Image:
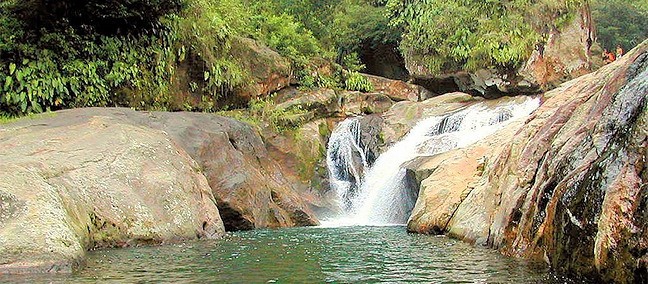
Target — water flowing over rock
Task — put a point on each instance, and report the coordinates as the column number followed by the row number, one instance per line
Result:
column 386, row 194
column 352, row 149
column 567, row 187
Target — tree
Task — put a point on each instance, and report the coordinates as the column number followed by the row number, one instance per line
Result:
column 620, row 22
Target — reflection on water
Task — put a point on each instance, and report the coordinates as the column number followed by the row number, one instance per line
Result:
column 311, row 255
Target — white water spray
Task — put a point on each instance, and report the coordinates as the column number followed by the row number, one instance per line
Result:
column 383, row 195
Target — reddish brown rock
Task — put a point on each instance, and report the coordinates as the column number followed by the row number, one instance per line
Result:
column 569, row 187
column 270, row 71
column 398, row 90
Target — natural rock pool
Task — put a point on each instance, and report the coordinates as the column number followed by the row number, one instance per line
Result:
column 306, row 255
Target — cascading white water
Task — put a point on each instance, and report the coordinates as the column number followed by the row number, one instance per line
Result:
column 383, row 196
column 347, row 160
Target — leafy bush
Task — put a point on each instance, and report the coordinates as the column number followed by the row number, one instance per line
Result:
column 288, row 37
column 472, row 34
column 86, row 73
column 356, row 23
column 206, row 30
column 68, row 66
column 354, row 81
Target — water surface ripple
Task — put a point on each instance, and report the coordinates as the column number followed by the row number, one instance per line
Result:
column 306, row 255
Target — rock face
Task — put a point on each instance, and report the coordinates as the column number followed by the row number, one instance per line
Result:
column 248, row 185
column 97, row 182
column 398, row 90
column 269, row 70
column 327, row 103
column 565, row 55
column 568, row 187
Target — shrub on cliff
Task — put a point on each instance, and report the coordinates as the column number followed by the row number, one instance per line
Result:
column 472, row 34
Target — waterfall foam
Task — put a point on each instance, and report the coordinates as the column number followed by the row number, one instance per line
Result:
column 384, row 195
column 347, row 160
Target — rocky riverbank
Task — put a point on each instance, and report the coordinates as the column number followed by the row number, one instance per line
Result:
column 567, row 186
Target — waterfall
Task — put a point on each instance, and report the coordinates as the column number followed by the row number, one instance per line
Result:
column 383, row 195
column 347, row 160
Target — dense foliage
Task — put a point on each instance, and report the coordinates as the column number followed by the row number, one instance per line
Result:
column 181, row 54
column 620, row 22
column 143, row 53
column 49, row 60
column 472, row 34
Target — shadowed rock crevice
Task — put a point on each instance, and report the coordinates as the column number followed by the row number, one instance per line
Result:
column 233, row 220
column 385, row 60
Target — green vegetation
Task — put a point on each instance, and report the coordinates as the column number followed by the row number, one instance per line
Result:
column 265, row 113
column 473, row 34
column 620, row 22
column 167, row 54
column 183, row 54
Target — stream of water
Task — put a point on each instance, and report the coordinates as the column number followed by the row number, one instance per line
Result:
column 380, row 194
column 305, row 255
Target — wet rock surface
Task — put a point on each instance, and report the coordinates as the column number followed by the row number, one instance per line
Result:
column 568, row 187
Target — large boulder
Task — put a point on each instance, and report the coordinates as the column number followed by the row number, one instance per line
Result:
column 565, row 55
column 568, row 187
column 269, row 71
column 95, row 182
column 249, row 187
column 398, row 90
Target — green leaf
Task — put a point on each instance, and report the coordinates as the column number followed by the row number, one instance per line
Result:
column 36, row 107
column 8, row 82
column 12, row 68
